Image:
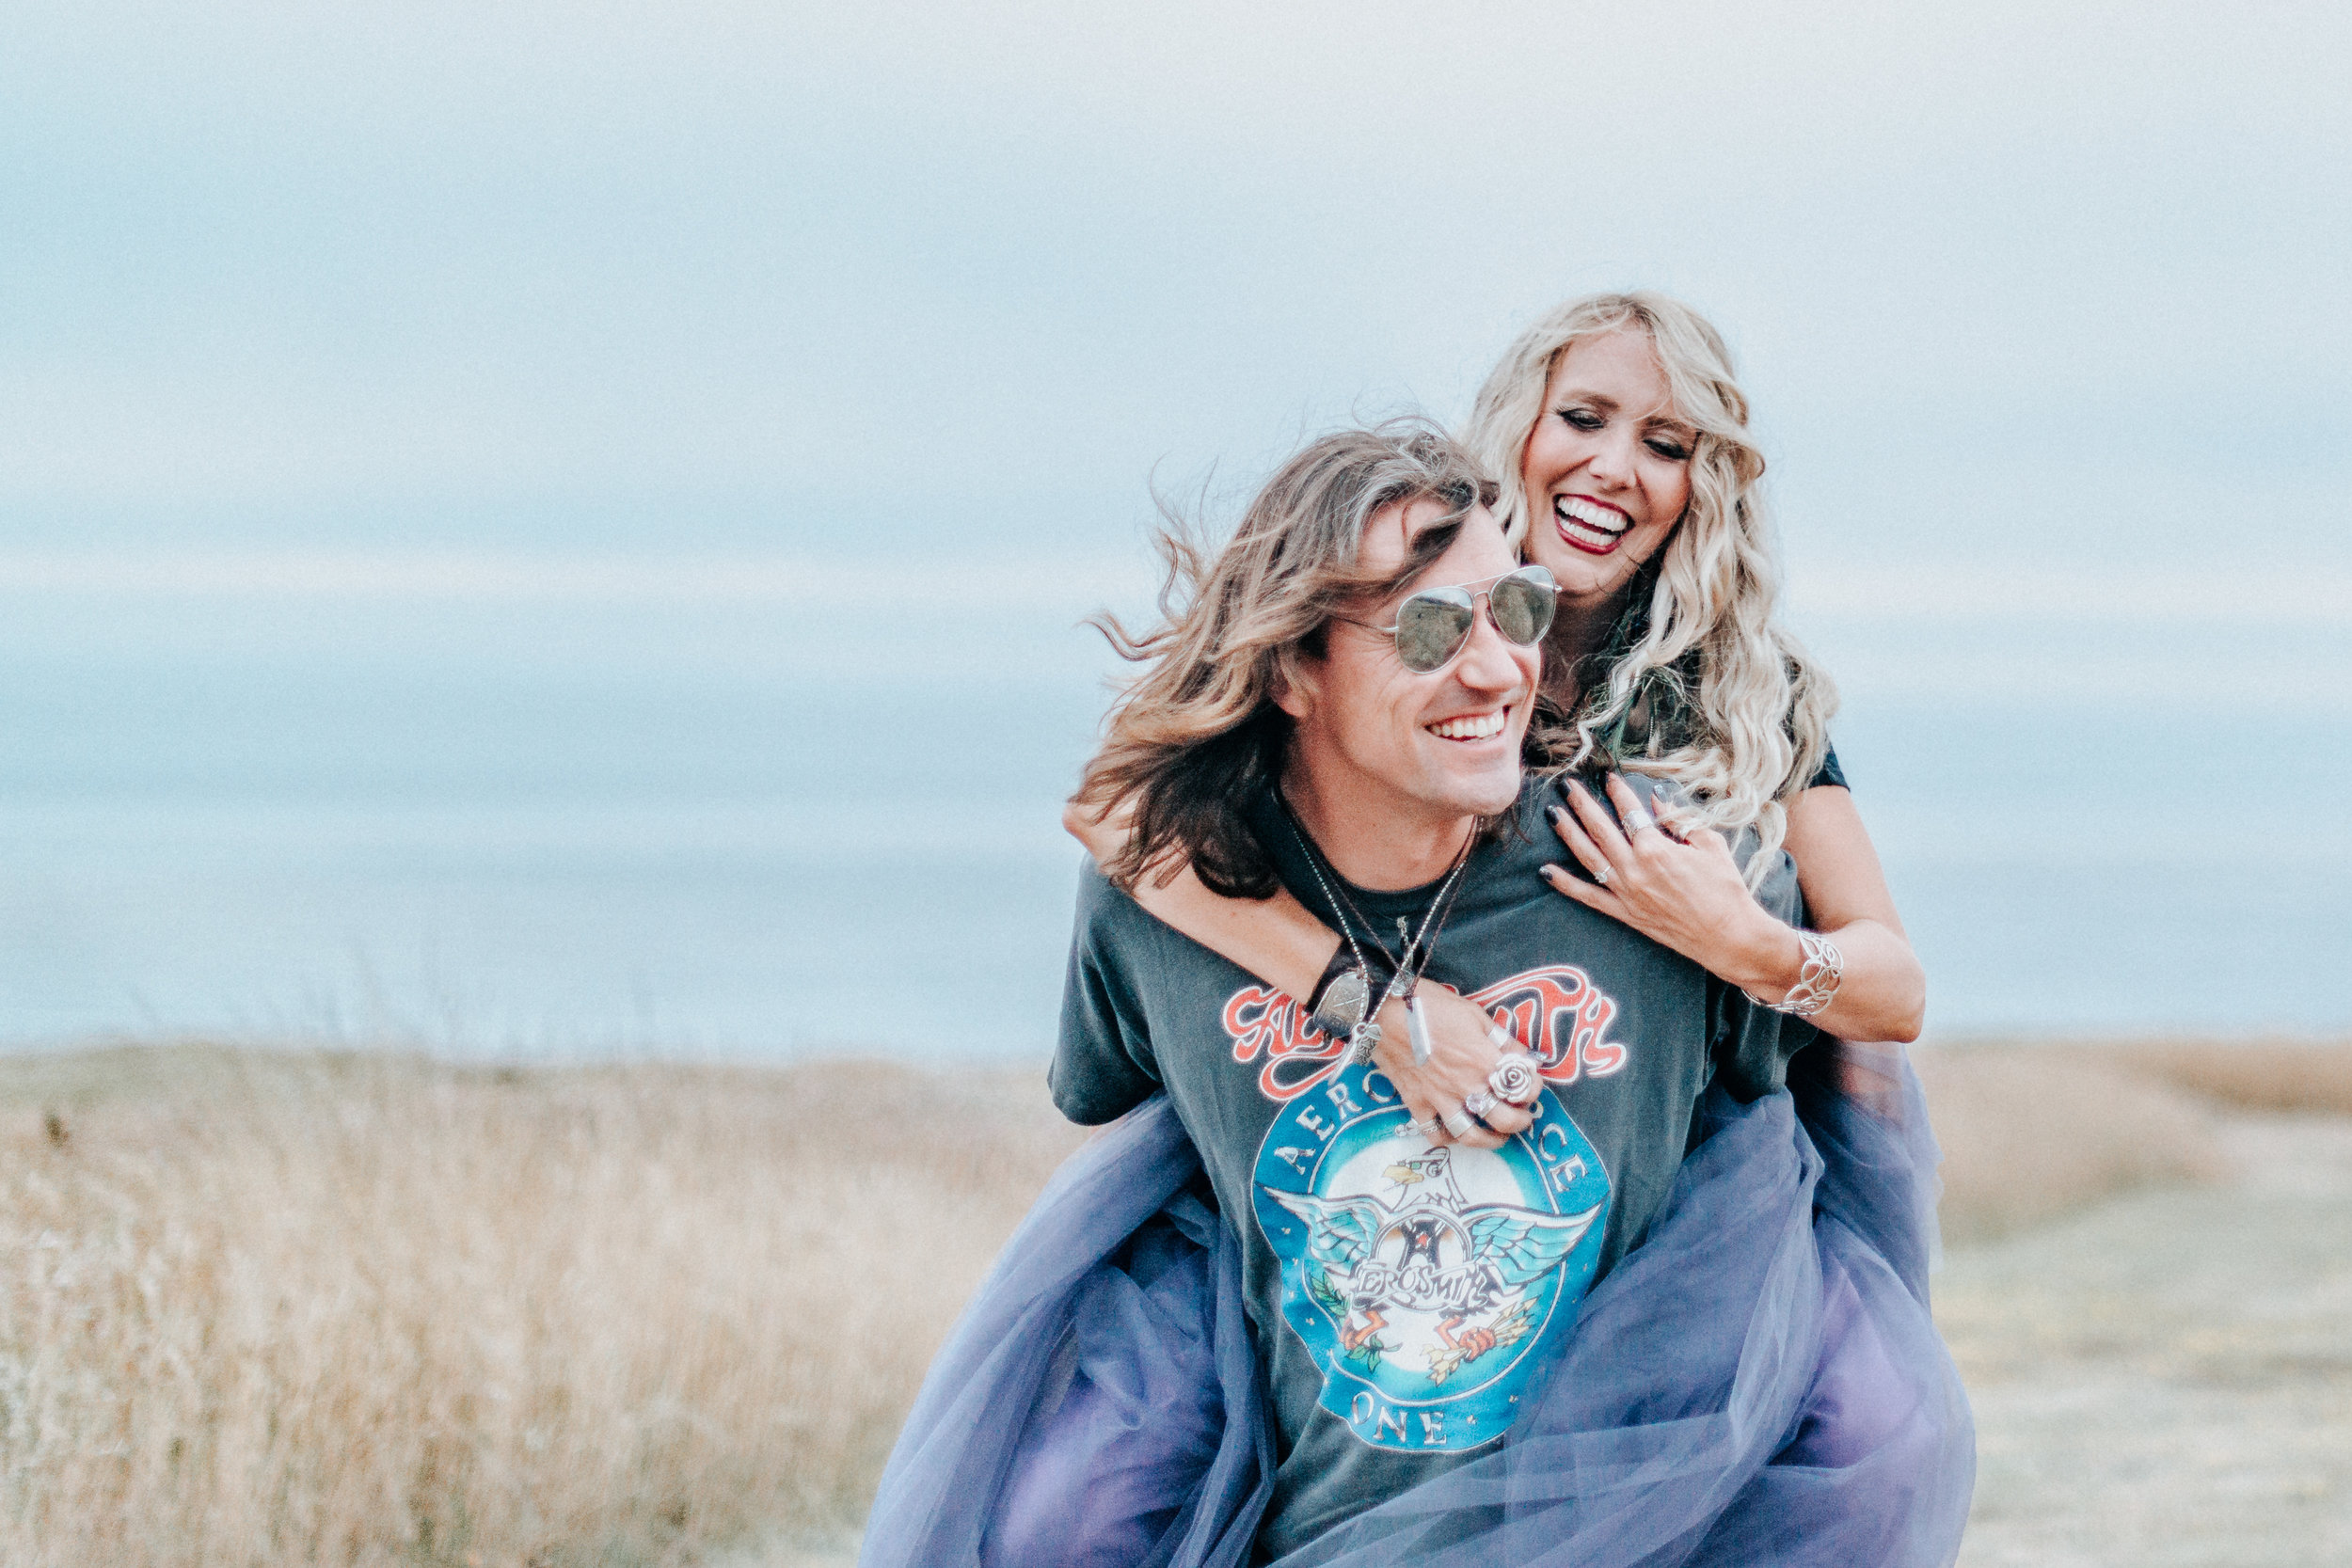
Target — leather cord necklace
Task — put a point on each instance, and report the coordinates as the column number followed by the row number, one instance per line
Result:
column 1341, row 999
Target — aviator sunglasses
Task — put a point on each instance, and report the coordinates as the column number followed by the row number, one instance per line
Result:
column 1431, row 626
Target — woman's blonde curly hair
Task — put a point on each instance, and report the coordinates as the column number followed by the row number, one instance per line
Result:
column 1696, row 684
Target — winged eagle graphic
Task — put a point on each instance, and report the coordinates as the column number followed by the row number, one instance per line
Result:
column 1520, row 1245
column 1377, row 1259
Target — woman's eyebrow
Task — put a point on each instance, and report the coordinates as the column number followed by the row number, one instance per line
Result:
column 1598, row 400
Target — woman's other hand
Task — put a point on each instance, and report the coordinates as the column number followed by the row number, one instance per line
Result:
column 1683, row 892
column 1462, row 1052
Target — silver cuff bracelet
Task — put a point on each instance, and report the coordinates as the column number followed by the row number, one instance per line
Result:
column 1823, row 971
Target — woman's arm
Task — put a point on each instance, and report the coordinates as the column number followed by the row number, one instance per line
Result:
column 1689, row 896
column 1274, row 939
column 1845, row 895
column 1279, row 942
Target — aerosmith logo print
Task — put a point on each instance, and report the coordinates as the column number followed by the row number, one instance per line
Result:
column 1428, row 1281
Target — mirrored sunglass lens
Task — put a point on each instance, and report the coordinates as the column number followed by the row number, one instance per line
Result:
column 1429, row 629
column 1522, row 610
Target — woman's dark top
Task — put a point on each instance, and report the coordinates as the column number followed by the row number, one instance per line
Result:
column 1661, row 712
column 1829, row 772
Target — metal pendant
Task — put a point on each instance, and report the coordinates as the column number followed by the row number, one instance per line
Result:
column 1417, row 1026
column 1362, row 1043
column 1343, row 1001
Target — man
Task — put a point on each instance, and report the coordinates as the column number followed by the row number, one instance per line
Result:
column 1406, row 1294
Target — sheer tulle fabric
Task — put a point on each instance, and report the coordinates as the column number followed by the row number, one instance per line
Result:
column 1079, row 1411
column 1758, row 1383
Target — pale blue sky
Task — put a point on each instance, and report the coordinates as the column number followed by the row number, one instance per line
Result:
column 2013, row 283
column 487, row 492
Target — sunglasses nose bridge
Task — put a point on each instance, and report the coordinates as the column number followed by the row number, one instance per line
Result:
column 1488, row 659
column 1436, row 624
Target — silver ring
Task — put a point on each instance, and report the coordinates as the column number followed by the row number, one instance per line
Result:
column 1426, row 1128
column 1478, row 1102
column 1460, row 1125
column 1503, row 1039
column 1638, row 819
column 1515, row 1079
column 1600, row 876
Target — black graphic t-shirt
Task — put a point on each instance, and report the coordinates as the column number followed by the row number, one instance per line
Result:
column 1406, row 1298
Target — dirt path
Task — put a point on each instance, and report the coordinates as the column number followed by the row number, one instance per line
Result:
column 2167, row 1379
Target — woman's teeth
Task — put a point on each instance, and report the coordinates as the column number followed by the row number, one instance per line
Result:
column 1476, row 726
column 1589, row 527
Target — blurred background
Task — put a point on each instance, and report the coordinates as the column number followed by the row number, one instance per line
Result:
column 557, row 529
column 545, row 542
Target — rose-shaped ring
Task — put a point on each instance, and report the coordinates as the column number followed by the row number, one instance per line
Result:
column 1514, row 1079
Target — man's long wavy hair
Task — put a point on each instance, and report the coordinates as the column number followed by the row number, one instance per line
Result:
column 1697, row 683
column 1199, row 732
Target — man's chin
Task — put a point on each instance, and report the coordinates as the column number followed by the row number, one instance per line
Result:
column 1498, row 802
column 1488, row 794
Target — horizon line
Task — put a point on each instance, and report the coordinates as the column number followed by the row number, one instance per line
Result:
column 1938, row 590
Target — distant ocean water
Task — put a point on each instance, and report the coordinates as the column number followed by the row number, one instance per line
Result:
column 494, row 807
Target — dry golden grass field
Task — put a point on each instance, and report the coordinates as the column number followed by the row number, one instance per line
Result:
column 264, row 1308
column 352, row 1310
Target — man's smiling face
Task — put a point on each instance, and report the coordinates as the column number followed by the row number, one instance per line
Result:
column 1438, row 747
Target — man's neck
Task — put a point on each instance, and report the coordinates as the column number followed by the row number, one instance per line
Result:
column 1382, row 844
column 1578, row 628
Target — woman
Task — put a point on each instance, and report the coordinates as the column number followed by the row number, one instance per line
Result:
column 1619, row 434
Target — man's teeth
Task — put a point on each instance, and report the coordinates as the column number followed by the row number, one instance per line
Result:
column 1589, row 519
column 1476, row 726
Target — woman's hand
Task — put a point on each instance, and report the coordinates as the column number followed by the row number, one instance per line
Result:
column 1462, row 1049
column 1681, row 891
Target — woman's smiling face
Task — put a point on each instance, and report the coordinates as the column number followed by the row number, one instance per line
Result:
column 1607, row 468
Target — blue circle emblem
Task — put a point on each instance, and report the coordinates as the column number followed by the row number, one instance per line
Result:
column 1426, row 1280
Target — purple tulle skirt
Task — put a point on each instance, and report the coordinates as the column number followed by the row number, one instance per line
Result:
column 1758, row 1383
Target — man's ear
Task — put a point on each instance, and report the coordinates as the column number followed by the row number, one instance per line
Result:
column 1295, row 685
